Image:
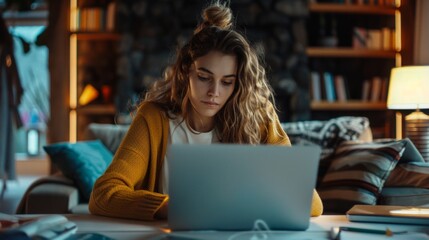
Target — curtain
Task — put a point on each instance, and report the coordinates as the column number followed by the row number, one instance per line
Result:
column 7, row 153
column 10, row 95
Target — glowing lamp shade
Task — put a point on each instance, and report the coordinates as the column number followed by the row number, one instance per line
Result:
column 409, row 88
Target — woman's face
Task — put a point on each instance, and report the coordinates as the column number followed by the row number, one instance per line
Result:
column 211, row 80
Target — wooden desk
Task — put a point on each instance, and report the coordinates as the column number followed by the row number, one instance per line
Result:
column 132, row 230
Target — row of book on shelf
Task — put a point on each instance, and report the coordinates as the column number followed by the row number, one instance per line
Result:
column 381, row 39
column 326, row 86
column 360, row 2
column 96, row 18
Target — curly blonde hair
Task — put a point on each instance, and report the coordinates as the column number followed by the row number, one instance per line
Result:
column 247, row 113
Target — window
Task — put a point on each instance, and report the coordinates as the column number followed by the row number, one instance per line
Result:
column 32, row 64
column 34, row 75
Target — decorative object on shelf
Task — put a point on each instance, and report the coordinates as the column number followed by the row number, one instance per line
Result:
column 328, row 31
column 89, row 94
column 409, row 88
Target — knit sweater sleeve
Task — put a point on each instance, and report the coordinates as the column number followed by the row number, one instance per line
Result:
column 127, row 188
column 276, row 135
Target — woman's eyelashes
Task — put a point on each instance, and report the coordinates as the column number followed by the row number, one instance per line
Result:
column 202, row 78
column 224, row 82
column 227, row 83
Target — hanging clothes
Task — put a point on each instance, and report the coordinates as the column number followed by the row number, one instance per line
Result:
column 10, row 97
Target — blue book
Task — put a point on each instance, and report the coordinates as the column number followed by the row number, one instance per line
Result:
column 329, row 86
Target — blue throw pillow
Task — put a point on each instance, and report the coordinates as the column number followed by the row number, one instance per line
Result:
column 83, row 162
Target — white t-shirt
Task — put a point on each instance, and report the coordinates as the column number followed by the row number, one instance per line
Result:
column 181, row 134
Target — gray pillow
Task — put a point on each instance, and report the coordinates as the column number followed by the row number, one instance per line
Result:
column 110, row 135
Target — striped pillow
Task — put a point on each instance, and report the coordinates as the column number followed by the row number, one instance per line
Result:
column 357, row 173
column 413, row 174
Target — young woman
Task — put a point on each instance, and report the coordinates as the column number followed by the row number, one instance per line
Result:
column 216, row 91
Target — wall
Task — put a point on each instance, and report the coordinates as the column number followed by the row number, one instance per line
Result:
column 151, row 30
column 421, row 46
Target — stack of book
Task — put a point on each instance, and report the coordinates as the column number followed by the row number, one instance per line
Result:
column 49, row 227
column 93, row 19
column 379, row 39
column 328, row 87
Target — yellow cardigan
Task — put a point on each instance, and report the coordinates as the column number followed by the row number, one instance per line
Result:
column 128, row 188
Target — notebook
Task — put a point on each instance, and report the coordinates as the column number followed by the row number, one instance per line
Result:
column 241, row 187
column 389, row 214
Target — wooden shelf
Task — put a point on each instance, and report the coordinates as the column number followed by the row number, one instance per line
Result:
column 351, row 8
column 99, row 109
column 352, row 105
column 96, row 36
column 349, row 53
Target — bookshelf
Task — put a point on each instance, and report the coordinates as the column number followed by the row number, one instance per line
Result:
column 349, row 105
column 93, row 43
column 349, row 53
column 351, row 8
column 359, row 42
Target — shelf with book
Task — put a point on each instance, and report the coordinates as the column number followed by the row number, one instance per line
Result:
column 97, row 109
column 93, row 56
column 348, row 52
column 350, row 8
column 352, row 48
column 83, row 35
column 347, row 105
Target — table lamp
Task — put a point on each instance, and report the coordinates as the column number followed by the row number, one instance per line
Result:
column 409, row 89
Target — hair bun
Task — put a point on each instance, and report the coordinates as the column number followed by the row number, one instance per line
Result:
column 217, row 15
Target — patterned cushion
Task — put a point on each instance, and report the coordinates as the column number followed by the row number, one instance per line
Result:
column 327, row 134
column 357, row 173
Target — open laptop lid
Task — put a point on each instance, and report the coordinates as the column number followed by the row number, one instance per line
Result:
column 230, row 187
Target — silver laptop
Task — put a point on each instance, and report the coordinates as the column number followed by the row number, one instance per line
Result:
column 234, row 187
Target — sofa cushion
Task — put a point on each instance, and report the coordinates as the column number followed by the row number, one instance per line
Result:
column 328, row 135
column 411, row 154
column 110, row 135
column 358, row 172
column 404, row 196
column 83, row 162
column 413, row 174
column 51, row 198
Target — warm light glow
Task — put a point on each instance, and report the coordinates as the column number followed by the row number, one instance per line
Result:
column 418, row 212
column 73, row 126
column 73, row 15
column 398, row 41
column 398, row 125
column 409, row 88
column 398, row 59
column 73, row 73
column 398, row 3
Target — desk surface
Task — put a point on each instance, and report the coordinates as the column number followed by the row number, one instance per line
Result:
column 131, row 230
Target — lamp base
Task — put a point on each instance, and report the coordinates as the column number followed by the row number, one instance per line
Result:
column 417, row 129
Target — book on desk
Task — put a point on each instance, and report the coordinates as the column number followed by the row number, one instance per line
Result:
column 36, row 227
column 389, row 214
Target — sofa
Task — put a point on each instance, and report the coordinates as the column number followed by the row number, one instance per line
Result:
column 353, row 169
